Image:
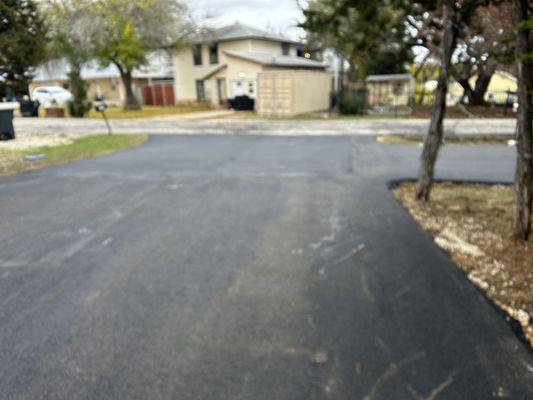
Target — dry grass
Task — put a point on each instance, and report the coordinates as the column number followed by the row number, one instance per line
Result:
column 12, row 158
column 412, row 140
column 149, row 111
column 472, row 222
column 145, row 112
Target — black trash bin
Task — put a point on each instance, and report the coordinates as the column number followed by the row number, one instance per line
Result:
column 29, row 108
column 243, row 103
column 6, row 125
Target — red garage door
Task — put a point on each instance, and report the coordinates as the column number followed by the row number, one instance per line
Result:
column 159, row 94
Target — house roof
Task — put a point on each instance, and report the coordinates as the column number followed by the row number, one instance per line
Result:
column 215, row 71
column 238, row 31
column 159, row 65
column 274, row 60
column 389, row 77
column 505, row 74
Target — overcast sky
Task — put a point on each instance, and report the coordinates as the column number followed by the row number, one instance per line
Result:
column 278, row 15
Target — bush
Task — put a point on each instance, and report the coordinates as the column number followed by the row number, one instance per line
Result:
column 352, row 104
column 79, row 107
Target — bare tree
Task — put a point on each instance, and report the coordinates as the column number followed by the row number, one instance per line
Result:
column 452, row 16
column 434, row 136
column 524, row 162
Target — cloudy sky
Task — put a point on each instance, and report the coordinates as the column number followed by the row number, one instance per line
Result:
column 277, row 15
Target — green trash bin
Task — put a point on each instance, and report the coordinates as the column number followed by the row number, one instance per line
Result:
column 7, row 132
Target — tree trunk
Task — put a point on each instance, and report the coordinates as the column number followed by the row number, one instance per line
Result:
column 131, row 102
column 524, row 146
column 435, row 132
column 477, row 96
column 467, row 89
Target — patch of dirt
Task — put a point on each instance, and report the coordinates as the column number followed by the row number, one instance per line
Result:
column 467, row 140
column 466, row 112
column 473, row 222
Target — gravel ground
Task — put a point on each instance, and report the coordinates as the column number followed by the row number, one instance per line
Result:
column 356, row 126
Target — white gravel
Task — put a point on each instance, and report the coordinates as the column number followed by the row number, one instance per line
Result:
column 356, row 126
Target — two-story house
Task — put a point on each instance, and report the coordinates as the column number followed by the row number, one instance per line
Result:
column 225, row 62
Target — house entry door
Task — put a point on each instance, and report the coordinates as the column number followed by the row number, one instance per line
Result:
column 237, row 88
column 221, row 90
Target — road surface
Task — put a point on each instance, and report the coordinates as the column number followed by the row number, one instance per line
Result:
column 243, row 267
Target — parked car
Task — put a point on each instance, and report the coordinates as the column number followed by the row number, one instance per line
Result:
column 51, row 95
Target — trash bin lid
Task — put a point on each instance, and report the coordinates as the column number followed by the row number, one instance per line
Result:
column 9, row 106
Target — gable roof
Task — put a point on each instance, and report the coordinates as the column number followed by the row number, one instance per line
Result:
column 159, row 65
column 389, row 77
column 238, row 31
column 215, row 71
column 274, row 60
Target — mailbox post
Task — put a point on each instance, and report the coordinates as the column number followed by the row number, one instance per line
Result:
column 101, row 107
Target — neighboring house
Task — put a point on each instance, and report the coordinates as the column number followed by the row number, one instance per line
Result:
column 153, row 84
column 390, row 89
column 228, row 62
column 502, row 88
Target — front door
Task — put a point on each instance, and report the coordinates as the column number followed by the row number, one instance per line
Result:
column 200, row 91
column 237, row 88
column 221, row 91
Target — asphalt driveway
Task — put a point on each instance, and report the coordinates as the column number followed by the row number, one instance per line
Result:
column 243, row 267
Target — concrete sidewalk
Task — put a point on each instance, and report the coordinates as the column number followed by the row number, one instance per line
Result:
column 359, row 126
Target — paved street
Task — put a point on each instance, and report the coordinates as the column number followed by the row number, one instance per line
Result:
column 244, row 267
column 187, row 125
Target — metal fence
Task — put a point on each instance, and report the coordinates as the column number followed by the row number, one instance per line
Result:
column 491, row 98
column 357, row 101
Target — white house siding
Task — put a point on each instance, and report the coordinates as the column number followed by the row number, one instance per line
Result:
column 186, row 73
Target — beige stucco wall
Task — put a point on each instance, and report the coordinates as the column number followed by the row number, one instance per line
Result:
column 293, row 92
column 110, row 88
column 312, row 90
column 263, row 46
column 186, row 73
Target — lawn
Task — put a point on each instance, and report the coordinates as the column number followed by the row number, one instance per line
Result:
column 473, row 222
column 12, row 159
column 145, row 112
column 412, row 140
column 149, row 111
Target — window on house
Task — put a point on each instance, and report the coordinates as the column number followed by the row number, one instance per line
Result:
column 285, row 49
column 251, row 89
column 213, row 53
column 200, row 91
column 197, row 54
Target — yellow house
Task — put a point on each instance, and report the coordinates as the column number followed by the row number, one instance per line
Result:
column 390, row 89
column 500, row 89
column 226, row 62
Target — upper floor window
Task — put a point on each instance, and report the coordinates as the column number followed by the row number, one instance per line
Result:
column 213, row 53
column 197, row 54
column 285, row 49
